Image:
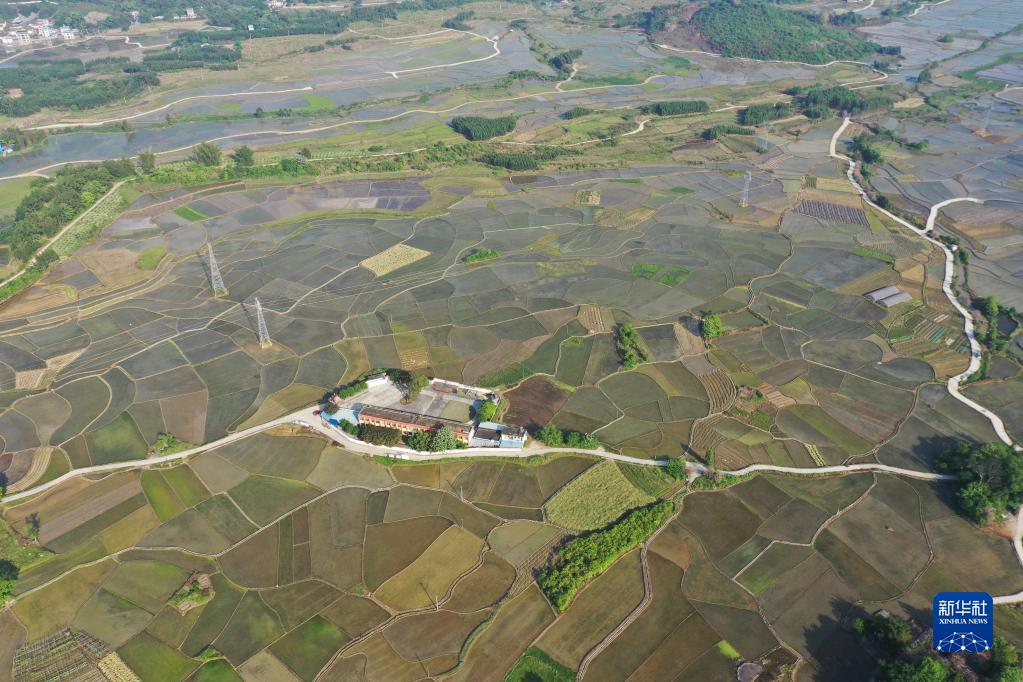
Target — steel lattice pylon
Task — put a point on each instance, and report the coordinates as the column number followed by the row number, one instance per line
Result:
column 264, row 334
column 216, row 281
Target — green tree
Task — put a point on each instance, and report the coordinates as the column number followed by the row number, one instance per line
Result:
column 1005, row 663
column 924, row 670
column 443, row 439
column 206, row 154
column 677, row 468
column 486, row 411
column 990, row 308
column 33, row 525
column 890, row 632
column 990, row 477
column 305, row 153
column 551, row 435
column 379, row 435
column 244, row 156
column 147, row 161
column 410, row 383
column 8, row 578
column 710, row 458
column 712, row 327
column 418, row 440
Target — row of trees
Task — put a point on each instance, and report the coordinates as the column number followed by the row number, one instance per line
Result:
column 482, row 127
column 480, row 255
column 576, row 112
column 439, row 440
column 554, row 437
column 755, row 114
column 676, row 108
column 54, row 202
column 586, row 557
column 818, row 101
column 515, row 161
column 457, row 22
column 433, row 441
column 714, row 132
column 630, row 347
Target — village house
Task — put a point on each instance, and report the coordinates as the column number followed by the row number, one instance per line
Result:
column 407, row 422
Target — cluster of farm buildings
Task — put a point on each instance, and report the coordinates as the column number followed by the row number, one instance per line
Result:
column 482, row 434
column 26, row 31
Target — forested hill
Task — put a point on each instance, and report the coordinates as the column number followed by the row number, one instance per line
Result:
column 758, row 30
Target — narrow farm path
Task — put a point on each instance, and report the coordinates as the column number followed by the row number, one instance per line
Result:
column 53, row 240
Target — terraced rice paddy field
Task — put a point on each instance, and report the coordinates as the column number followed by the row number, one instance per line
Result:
column 321, row 562
column 318, row 563
column 347, row 292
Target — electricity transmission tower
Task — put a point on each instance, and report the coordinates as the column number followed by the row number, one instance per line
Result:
column 264, row 334
column 745, row 190
column 987, row 119
column 216, row 281
column 765, row 142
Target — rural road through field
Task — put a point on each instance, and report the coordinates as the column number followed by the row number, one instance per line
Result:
column 968, row 326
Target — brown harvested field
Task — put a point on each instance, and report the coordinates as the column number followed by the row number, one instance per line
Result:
column 595, row 612
column 298, row 602
column 517, row 540
column 355, row 615
column 484, row 586
column 373, row 659
column 440, row 475
column 513, row 629
column 432, row 634
column 185, row 415
column 390, row 547
column 534, row 402
column 265, row 667
column 397, row 256
column 54, row 503
column 675, row 544
column 405, row 502
column 516, row 486
column 686, row 643
column 899, row 553
column 217, row 473
column 668, row 609
column 797, row 521
column 744, row 629
column 721, row 522
column 560, row 470
column 430, row 576
column 55, row 607
column 591, row 317
column 687, row 333
column 12, row 636
column 254, row 562
column 824, row 603
column 53, row 528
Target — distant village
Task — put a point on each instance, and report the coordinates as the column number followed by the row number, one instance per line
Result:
column 24, row 31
